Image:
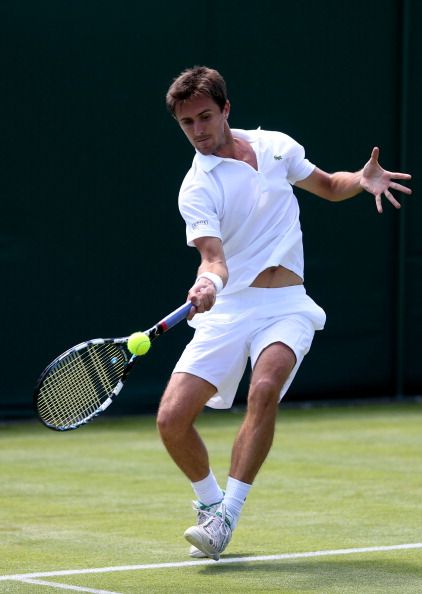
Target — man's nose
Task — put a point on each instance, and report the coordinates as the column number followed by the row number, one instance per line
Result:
column 198, row 128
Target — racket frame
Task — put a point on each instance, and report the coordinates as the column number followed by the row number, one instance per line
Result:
column 153, row 333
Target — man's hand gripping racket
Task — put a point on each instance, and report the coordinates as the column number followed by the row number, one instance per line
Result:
column 82, row 382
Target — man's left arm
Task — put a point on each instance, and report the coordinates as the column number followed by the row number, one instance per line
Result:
column 343, row 184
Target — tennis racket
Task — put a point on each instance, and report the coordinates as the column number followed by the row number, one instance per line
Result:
column 82, row 382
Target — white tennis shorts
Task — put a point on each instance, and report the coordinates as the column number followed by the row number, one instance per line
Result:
column 239, row 327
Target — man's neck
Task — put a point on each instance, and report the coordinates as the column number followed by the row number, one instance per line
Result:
column 227, row 148
column 239, row 149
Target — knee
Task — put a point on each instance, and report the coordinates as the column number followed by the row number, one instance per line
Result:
column 183, row 400
column 173, row 419
column 264, row 395
column 166, row 420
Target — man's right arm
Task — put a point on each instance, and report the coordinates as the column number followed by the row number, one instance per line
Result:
column 204, row 290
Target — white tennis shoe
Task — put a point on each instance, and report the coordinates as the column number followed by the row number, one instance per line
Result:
column 212, row 536
column 203, row 512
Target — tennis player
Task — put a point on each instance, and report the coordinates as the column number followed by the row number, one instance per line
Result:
column 249, row 300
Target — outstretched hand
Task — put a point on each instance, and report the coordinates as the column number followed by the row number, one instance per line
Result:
column 378, row 181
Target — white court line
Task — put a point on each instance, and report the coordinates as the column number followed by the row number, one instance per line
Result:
column 224, row 560
column 66, row 586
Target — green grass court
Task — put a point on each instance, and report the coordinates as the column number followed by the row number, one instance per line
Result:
column 338, row 481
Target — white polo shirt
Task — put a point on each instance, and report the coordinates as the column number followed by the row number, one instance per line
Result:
column 254, row 213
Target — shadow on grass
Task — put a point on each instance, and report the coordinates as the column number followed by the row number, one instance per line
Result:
column 347, row 575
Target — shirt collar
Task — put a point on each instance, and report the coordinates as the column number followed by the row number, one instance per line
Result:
column 209, row 162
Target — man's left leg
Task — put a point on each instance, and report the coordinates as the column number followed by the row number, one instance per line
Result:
column 255, row 437
column 250, row 448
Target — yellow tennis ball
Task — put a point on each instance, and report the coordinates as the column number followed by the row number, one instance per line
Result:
column 138, row 343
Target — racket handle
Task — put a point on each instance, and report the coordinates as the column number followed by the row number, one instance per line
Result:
column 169, row 321
column 176, row 316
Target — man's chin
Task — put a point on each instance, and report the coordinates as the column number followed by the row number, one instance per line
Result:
column 204, row 151
column 204, row 148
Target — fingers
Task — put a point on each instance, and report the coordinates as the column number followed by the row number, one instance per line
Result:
column 379, row 182
column 399, row 187
column 378, row 203
column 202, row 295
column 391, row 199
column 375, row 153
column 398, row 175
column 192, row 312
column 202, row 302
column 198, row 306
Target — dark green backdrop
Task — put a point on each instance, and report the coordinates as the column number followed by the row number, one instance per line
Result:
column 91, row 241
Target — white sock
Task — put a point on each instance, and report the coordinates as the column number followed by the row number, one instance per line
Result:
column 234, row 498
column 207, row 490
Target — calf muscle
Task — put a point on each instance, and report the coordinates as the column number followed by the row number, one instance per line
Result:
column 183, row 400
column 256, row 434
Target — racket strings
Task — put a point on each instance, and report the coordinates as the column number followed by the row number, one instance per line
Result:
column 76, row 387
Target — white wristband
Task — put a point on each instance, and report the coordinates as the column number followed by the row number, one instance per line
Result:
column 216, row 280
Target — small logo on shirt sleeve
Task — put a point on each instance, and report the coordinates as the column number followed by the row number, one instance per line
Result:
column 278, row 157
column 201, row 223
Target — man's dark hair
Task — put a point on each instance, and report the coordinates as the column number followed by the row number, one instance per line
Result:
column 196, row 81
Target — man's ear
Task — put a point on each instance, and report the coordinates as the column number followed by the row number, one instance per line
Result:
column 226, row 109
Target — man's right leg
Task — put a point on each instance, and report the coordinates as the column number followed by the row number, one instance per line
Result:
column 182, row 401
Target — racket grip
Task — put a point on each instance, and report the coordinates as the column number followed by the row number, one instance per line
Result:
column 176, row 316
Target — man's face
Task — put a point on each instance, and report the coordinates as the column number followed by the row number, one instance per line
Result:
column 203, row 123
